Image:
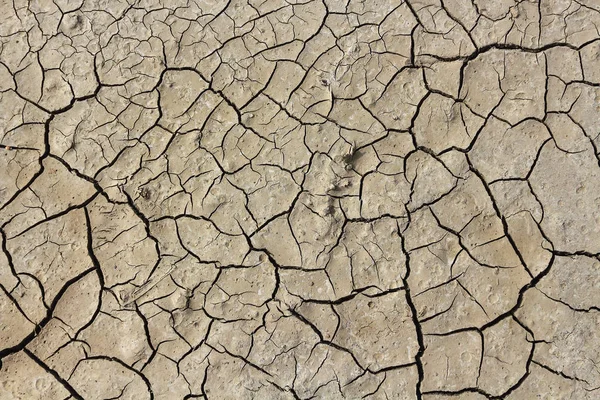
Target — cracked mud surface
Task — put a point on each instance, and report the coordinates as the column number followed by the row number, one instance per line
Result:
column 300, row 199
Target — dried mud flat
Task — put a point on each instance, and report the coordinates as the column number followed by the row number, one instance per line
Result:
column 300, row 199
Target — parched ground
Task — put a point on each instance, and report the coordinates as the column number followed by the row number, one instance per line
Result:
column 312, row 199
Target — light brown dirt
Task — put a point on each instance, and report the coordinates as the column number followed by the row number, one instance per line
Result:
column 313, row 199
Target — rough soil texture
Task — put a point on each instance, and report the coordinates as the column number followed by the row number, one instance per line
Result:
column 313, row 199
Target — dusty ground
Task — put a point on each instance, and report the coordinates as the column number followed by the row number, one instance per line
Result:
column 300, row 200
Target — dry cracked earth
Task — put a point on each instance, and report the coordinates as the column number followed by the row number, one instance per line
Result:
column 312, row 199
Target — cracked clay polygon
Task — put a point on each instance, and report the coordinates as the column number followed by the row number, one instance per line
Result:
column 299, row 199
